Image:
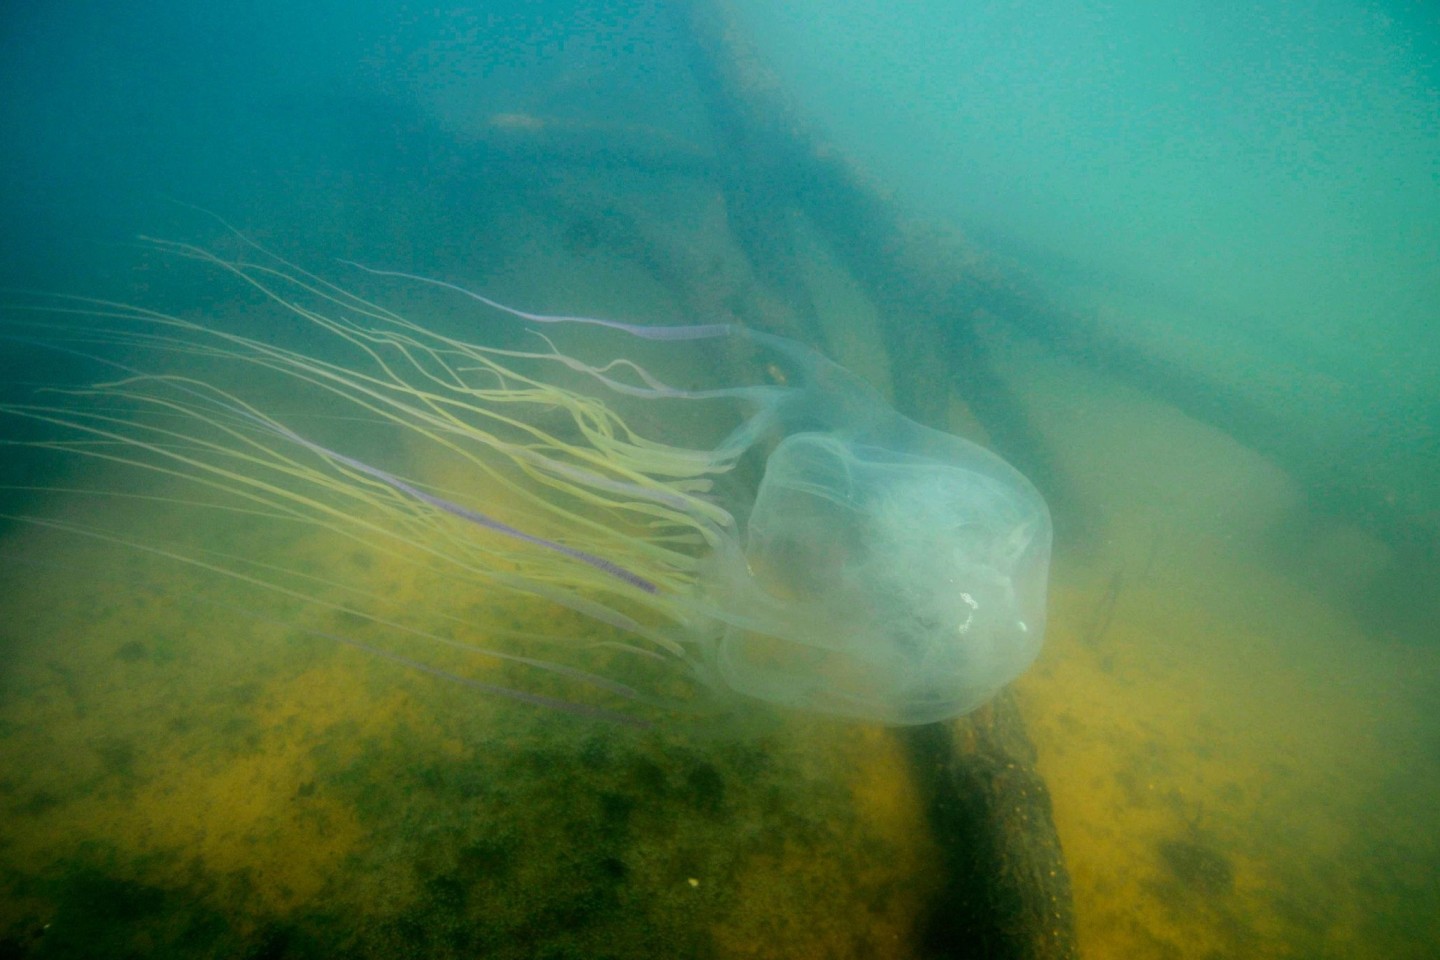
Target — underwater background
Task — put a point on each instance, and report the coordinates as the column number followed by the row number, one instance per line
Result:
column 1193, row 252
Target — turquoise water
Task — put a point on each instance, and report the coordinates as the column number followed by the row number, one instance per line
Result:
column 1175, row 263
column 1254, row 186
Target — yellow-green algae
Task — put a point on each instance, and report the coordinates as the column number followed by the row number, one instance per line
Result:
column 1239, row 767
column 184, row 780
column 180, row 778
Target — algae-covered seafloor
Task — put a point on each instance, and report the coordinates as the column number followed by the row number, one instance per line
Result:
column 182, row 779
column 190, row 766
column 1240, row 766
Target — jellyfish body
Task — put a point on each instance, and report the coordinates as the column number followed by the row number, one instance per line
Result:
column 787, row 537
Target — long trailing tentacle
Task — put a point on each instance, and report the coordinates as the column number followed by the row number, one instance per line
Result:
column 634, row 513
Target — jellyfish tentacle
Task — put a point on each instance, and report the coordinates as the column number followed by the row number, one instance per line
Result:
column 805, row 544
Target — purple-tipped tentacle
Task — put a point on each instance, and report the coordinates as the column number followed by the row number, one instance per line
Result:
column 701, row 331
column 675, row 501
column 466, row 513
column 389, row 479
column 654, row 386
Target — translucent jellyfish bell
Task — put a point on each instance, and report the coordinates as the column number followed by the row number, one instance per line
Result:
column 896, row 585
column 788, row 537
column 884, row 570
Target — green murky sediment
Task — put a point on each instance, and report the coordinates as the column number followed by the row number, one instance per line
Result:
column 1239, row 768
column 185, row 780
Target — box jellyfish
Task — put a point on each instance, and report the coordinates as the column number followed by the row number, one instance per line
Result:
column 784, row 536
